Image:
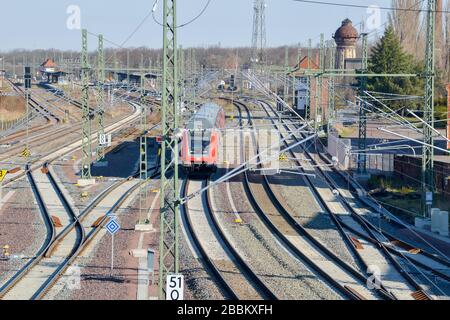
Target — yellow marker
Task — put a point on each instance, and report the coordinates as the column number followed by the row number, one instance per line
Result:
column 155, row 190
column 237, row 220
column 6, row 250
column 3, row 174
column 159, row 152
column 25, row 153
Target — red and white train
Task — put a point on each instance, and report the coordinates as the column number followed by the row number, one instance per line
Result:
column 200, row 142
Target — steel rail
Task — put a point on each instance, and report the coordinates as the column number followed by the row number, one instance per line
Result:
column 384, row 251
column 257, row 280
column 206, row 260
column 391, row 237
column 51, row 232
column 344, row 290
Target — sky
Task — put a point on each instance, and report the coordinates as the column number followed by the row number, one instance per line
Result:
column 43, row 24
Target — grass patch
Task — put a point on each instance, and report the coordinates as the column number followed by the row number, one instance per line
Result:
column 391, row 184
column 11, row 108
column 402, row 199
column 346, row 132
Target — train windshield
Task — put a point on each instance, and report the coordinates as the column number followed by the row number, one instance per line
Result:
column 200, row 141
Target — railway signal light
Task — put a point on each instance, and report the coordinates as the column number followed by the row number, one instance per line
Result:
column 27, row 77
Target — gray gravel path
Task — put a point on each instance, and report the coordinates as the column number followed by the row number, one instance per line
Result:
column 286, row 276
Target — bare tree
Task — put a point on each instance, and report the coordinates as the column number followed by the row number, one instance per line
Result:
column 446, row 51
column 440, row 54
column 408, row 26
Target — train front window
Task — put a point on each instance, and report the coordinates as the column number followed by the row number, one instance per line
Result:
column 200, row 141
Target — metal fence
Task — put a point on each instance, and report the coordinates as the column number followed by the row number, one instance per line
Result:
column 375, row 164
column 340, row 148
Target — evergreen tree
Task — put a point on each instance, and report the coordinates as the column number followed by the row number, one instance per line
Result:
column 388, row 56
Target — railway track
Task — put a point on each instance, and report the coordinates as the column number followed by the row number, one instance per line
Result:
column 437, row 265
column 336, row 273
column 61, row 94
column 60, row 249
column 43, row 139
column 40, row 140
column 9, row 139
column 73, row 146
column 39, row 136
column 379, row 252
column 29, row 281
column 233, row 275
column 349, row 189
column 41, row 96
column 49, row 116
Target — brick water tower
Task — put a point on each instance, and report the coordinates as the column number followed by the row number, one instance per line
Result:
column 346, row 38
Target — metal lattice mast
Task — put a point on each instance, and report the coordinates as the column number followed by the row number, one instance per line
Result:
column 33, row 69
column 286, row 70
column 128, row 68
column 182, row 76
column 362, row 137
column 428, row 114
column 294, row 85
column 331, row 86
column 319, row 83
column 259, row 32
column 256, row 18
column 308, row 84
column 295, row 81
column 169, row 237
column 100, row 98
column 299, row 52
column 86, row 157
column 116, row 67
column 193, row 76
column 143, row 167
column 181, row 64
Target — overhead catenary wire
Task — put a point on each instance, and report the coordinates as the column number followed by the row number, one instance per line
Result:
column 155, row 4
column 349, row 5
column 403, row 255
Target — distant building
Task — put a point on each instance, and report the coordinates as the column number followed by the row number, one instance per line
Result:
column 48, row 66
column 345, row 37
column 302, row 99
column 51, row 70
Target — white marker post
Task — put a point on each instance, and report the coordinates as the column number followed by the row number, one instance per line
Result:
column 113, row 227
column 112, row 253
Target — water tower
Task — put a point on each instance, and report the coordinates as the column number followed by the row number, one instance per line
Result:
column 345, row 37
